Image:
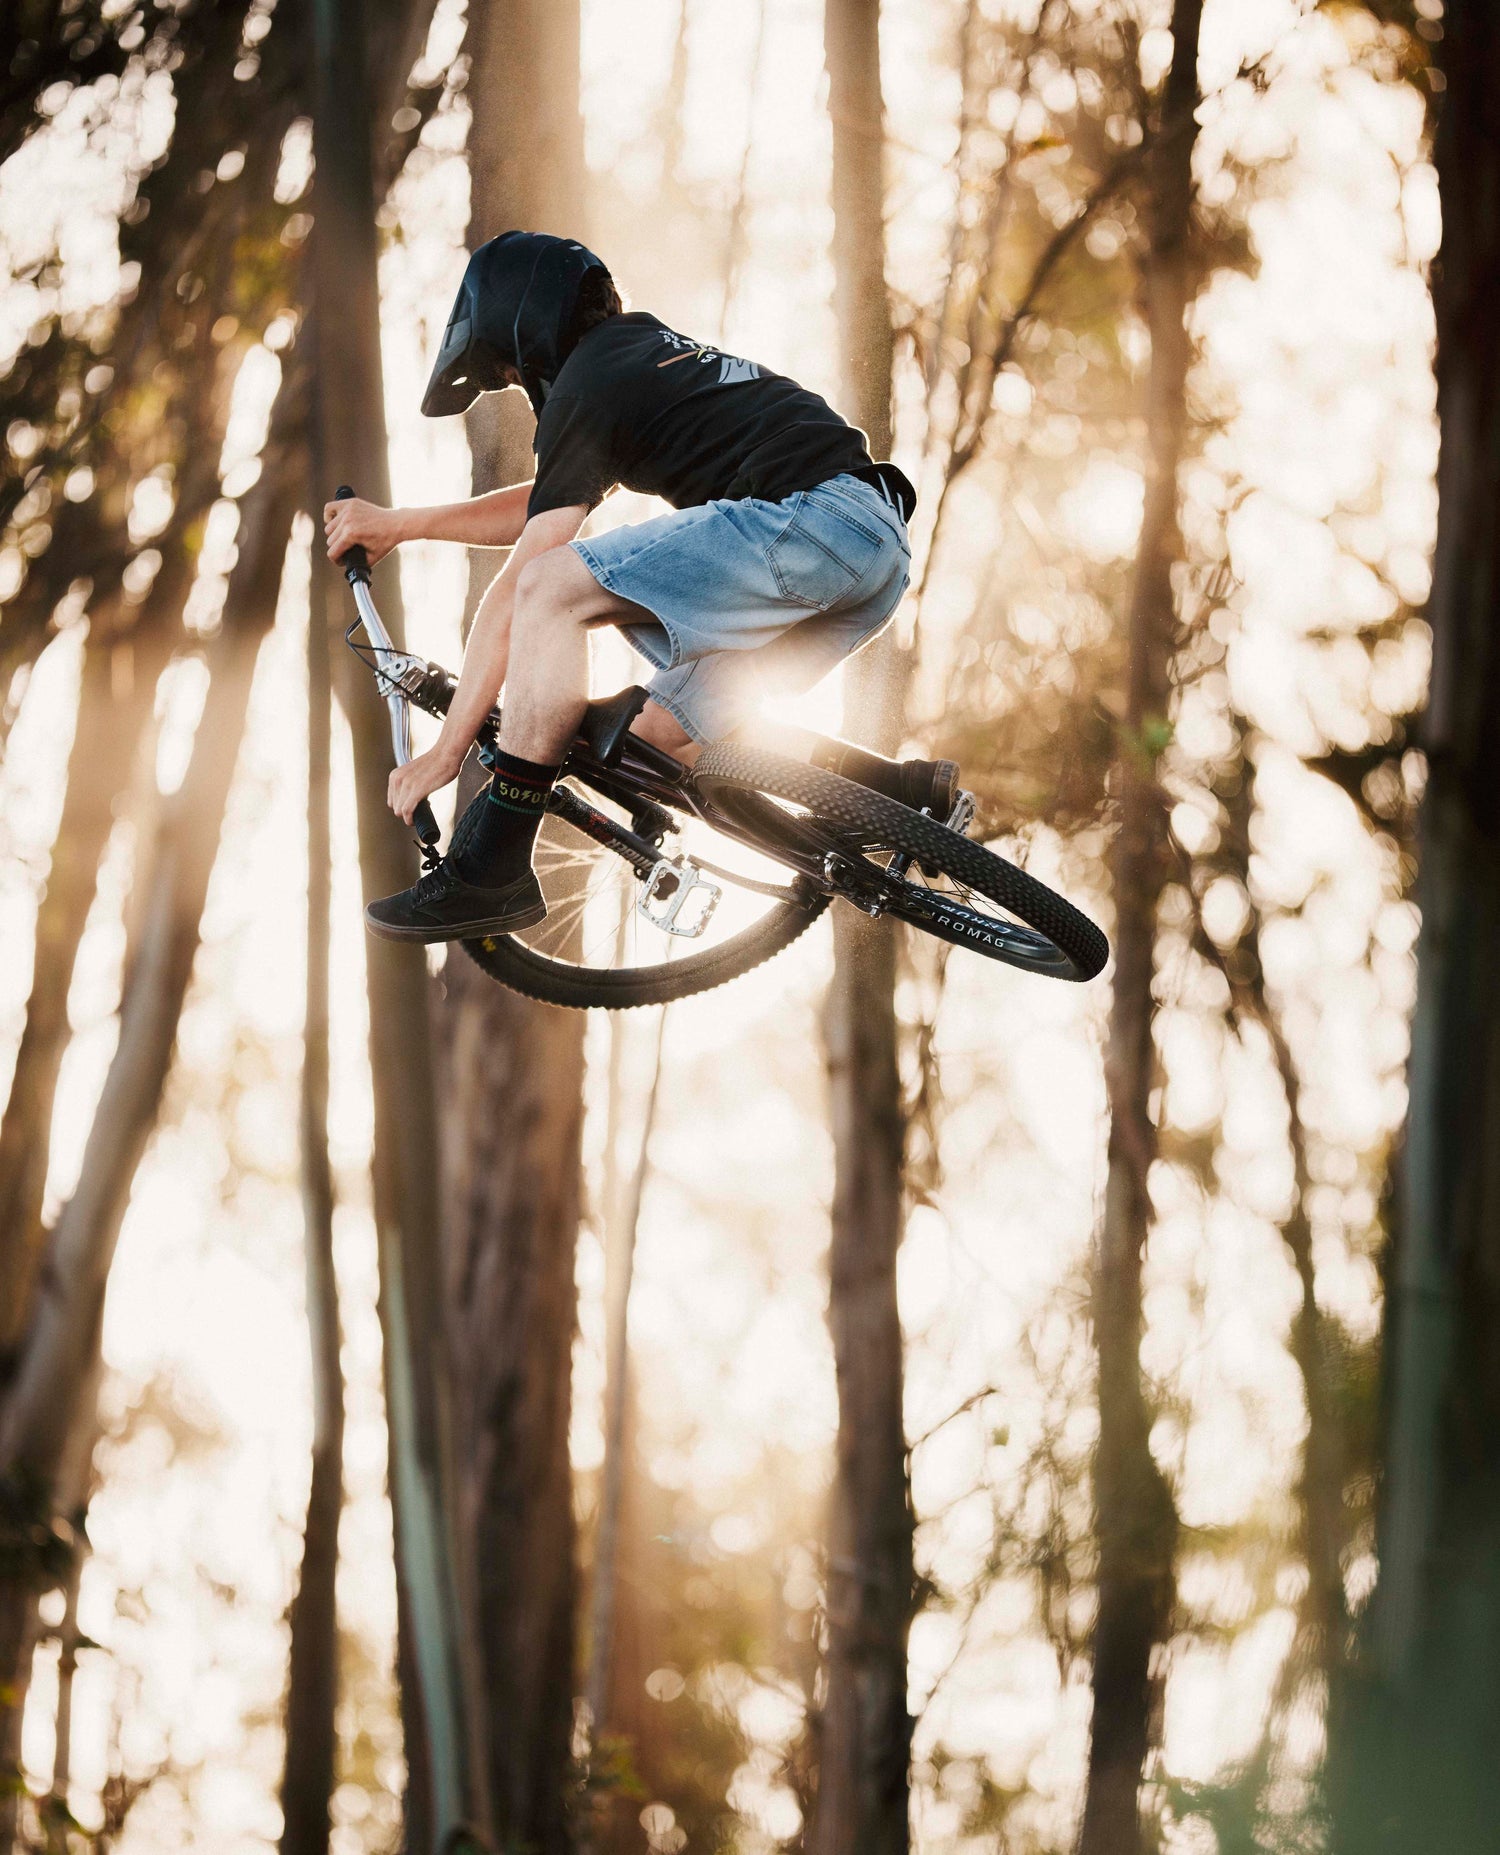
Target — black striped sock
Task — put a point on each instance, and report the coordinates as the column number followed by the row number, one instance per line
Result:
column 497, row 847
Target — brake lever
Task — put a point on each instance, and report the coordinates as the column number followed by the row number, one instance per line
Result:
column 356, row 565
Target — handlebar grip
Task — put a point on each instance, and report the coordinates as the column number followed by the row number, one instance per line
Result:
column 355, row 561
column 425, row 824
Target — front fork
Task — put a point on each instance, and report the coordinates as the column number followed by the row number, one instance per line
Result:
column 639, row 852
column 675, row 896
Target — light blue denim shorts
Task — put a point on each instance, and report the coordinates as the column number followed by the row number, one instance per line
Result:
column 754, row 598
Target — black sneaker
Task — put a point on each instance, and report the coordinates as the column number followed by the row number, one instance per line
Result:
column 442, row 906
column 929, row 785
column 924, row 785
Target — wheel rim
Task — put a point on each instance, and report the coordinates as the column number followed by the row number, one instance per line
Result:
column 955, row 911
column 942, row 904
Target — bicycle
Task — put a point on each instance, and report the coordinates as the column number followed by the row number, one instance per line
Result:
column 739, row 855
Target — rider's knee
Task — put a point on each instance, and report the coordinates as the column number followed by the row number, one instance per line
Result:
column 540, row 588
column 531, row 584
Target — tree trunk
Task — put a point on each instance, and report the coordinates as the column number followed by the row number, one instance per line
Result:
column 67, row 1667
column 622, row 1222
column 437, row 1702
column 116, row 703
column 861, row 301
column 312, row 1681
column 114, row 710
column 526, row 147
column 20, row 1624
column 615, row 1675
column 865, row 1728
column 163, row 333
column 1135, row 1515
column 45, row 1402
column 75, row 1488
column 513, row 1084
column 171, row 362
column 1418, row 1769
column 513, row 1128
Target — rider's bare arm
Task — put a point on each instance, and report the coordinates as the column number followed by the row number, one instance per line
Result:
column 492, row 520
column 485, row 658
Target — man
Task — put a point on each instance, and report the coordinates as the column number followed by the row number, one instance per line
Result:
column 785, row 551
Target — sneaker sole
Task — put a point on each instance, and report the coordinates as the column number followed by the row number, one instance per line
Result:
column 944, row 788
column 471, row 930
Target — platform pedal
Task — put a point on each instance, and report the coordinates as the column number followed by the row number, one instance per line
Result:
column 962, row 815
column 669, row 899
column 959, row 820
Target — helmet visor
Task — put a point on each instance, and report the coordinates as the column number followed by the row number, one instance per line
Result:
column 452, row 387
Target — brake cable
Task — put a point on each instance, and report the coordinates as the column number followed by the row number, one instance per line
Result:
column 356, row 565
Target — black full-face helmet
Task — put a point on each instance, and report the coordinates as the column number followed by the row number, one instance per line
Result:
column 513, row 309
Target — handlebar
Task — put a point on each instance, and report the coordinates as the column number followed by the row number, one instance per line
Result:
column 356, row 565
column 355, row 561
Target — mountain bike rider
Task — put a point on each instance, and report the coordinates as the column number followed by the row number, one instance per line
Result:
column 784, row 552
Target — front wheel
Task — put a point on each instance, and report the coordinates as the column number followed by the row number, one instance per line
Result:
column 597, row 948
column 894, row 860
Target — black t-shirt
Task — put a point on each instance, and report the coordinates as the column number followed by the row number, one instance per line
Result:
column 636, row 403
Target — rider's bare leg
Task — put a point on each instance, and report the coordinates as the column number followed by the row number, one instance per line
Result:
column 558, row 603
column 662, row 729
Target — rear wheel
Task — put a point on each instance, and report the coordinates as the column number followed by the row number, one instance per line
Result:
column 896, row 861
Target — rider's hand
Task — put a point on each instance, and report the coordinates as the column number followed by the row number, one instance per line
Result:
column 412, row 783
column 353, row 520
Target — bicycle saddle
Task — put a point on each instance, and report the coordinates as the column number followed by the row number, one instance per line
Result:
column 606, row 723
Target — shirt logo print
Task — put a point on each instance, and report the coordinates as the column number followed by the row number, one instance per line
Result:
column 732, row 369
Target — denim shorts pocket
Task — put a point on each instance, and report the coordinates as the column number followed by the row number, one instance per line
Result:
column 819, row 557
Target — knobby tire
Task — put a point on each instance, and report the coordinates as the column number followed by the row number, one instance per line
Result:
column 555, row 982
column 872, row 817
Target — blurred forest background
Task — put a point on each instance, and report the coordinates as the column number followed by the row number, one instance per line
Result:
column 894, row 1402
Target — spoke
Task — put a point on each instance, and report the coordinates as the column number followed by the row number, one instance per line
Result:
column 622, row 929
column 592, row 921
column 962, row 896
column 555, row 857
column 575, row 860
column 598, row 880
column 611, row 929
column 559, row 920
